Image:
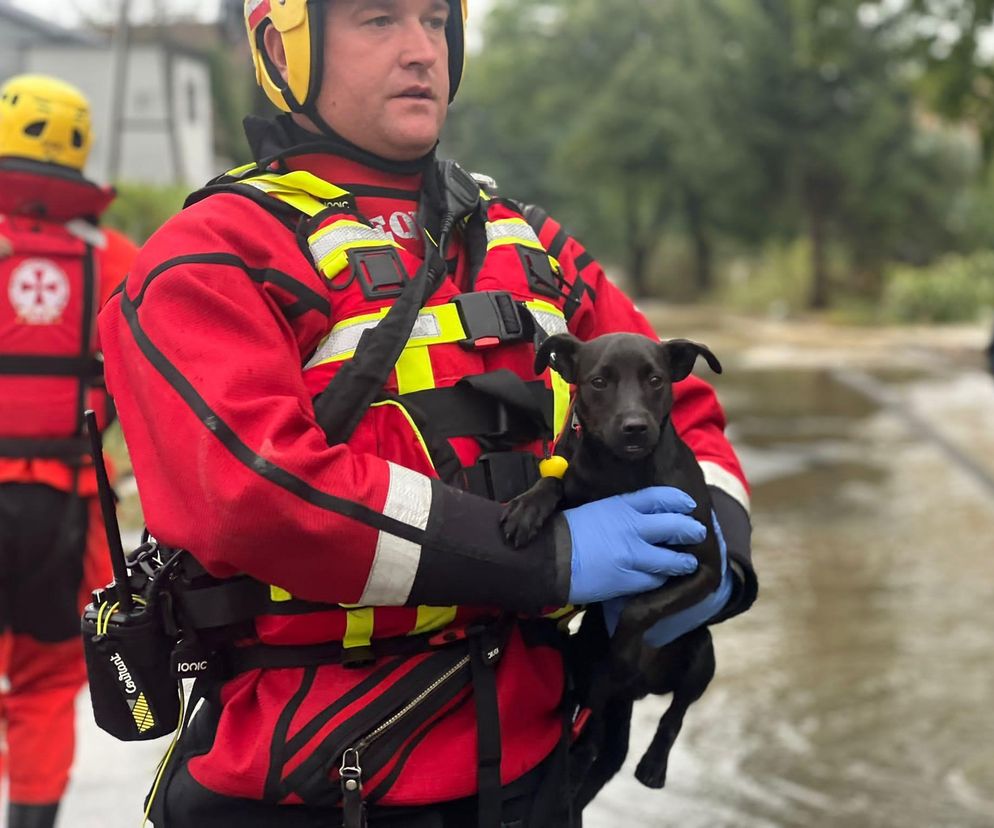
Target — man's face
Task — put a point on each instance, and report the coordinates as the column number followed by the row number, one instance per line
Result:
column 386, row 74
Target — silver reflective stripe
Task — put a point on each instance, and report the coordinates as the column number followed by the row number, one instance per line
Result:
column 86, row 232
column 346, row 339
column 551, row 323
column 349, row 233
column 722, row 478
column 396, row 562
column 511, row 229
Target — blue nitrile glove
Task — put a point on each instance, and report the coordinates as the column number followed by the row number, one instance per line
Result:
column 613, row 551
column 670, row 629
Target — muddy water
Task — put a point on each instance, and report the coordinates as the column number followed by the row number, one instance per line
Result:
column 858, row 691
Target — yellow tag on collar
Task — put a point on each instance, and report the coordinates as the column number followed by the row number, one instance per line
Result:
column 554, row 466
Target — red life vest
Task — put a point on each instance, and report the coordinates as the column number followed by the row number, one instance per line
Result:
column 49, row 295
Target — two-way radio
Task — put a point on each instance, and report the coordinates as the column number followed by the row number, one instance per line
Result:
column 134, row 693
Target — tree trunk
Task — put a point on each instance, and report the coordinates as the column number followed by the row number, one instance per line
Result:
column 703, row 258
column 819, row 254
column 637, row 259
column 638, row 251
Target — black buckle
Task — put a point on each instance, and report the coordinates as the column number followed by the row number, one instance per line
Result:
column 380, row 272
column 491, row 317
column 502, row 475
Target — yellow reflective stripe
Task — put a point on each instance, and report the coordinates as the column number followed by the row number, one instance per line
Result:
column 514, row 240
column 244, row 168
column 300, row 189
column 435, row 326
column 278, row 595
column 433, row 618
column 337, row 261
column 562, row 612
column 560, row 403
column 414, row 428
column 358, row 627
column 330, row 245
column 414, row 371
column 512, row 231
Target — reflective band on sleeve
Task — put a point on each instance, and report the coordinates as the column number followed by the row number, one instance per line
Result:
column 396, row 562
column 512, row 231
column 719, row 476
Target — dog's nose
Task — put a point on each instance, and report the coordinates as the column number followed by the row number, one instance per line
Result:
column 634, row 427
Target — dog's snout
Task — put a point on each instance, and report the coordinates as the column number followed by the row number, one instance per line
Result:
column 635, row 426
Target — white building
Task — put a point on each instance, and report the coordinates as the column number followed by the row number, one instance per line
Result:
column 165, row 130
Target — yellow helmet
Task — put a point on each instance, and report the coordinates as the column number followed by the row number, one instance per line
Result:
column 44, row 119
column 301, row 25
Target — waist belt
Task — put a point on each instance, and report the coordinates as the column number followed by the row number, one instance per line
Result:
column 60, row 448
column 235, row 660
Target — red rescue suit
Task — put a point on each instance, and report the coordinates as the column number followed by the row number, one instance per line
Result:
column 233, row 319
column 56, row 269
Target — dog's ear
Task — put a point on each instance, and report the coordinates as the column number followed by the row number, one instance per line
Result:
column 682, row 354
column 559, row 351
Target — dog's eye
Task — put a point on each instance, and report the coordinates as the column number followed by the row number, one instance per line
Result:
column 656, row 381
column 599, row 383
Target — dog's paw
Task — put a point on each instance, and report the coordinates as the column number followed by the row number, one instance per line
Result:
column 521, row 522
column 651, row 772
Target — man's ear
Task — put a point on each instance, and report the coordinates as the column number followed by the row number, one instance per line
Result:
column 275, row 52
column 559, row 351
column 682, row 354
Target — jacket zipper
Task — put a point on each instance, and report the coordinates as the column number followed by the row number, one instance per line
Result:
column 351, row 770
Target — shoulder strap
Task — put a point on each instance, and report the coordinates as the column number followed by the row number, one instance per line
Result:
column 342, row 405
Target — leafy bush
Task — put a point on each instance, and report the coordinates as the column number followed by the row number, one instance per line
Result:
column 955, row 289
column 140, row 209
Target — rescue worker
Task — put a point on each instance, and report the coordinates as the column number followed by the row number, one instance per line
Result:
column 404, row 664
column 56, row 268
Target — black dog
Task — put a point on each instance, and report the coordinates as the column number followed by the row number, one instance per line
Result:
column 624, row 441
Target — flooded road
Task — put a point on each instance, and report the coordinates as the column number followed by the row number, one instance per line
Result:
column 858, row 691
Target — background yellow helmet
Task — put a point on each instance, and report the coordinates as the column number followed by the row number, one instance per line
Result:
column 301, row 25
column 44, row 119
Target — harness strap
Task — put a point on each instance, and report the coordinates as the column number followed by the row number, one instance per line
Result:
column 497, row 405
column 485, row 651
column 237, row 660
column 85, row 367
column 42, row 448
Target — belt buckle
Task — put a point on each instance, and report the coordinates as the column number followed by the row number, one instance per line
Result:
column 483, row 321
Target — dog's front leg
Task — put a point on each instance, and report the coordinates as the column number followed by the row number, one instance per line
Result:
column 525, row 516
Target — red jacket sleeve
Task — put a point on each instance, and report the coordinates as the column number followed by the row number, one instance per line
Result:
column 204, row 349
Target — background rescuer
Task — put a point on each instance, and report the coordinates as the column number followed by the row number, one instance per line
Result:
column 56, row 268
column 404, row 658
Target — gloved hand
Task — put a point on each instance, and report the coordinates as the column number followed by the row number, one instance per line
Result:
column 613, row 551
column 670, row 629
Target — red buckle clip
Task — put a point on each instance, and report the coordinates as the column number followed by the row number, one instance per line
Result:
column 580, row 722
column 486, row 342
